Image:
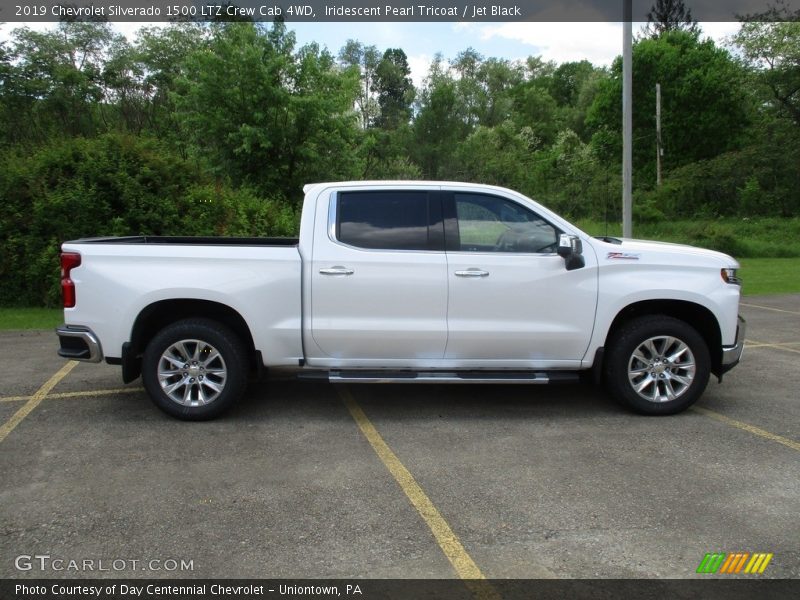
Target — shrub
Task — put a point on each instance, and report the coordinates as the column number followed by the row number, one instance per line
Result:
column 112, row 185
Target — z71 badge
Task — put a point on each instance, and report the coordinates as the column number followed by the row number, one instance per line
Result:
column 622, row 255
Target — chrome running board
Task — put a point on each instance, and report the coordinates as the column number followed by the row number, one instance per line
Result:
column 507, row 377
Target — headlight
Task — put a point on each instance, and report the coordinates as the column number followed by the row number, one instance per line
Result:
column 731, row 276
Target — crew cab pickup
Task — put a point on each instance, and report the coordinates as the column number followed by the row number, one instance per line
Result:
column 404, row 281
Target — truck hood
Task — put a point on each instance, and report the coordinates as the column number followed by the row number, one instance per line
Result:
column 646, row 251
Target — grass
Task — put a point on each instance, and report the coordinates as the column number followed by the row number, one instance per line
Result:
column 770, row 275
column 30, row 318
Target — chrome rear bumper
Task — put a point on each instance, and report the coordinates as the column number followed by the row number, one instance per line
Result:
column 79, row 343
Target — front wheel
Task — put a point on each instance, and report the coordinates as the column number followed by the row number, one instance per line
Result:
column 657, row 365
column 195, row 369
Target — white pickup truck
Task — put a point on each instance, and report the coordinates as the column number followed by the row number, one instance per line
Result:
column 405, row 281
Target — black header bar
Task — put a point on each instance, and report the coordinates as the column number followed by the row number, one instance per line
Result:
column 744, row 588
column 376, row 10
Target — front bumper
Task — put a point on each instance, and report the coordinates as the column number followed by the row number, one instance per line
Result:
column 79, row 343
column 732, row 354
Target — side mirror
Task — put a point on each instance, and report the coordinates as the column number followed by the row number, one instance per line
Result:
column 570, row 248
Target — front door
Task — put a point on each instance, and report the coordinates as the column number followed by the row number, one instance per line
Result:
column 511, row 299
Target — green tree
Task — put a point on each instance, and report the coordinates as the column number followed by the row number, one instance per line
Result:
column 772, row 51
column 440, row 122
column 485, row 87
column 364, row 60
column 573, row 175
column 126, row 103
column 265, row 115
column 567, row 81
column 704, row 106
column 573, row 86
column 395, row 91
column 536, row 108
column 6, row 72
column 53, row 82
column 669, row 15
column 162, row 54
column 500, row 155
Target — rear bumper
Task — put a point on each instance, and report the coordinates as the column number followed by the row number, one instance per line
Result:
column 79, row 343
column 732, row 354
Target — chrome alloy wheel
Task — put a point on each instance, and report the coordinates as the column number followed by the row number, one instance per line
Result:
column 661, row 369
column 192, row 372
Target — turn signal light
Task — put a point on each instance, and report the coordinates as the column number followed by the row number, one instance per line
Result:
column 731, row 276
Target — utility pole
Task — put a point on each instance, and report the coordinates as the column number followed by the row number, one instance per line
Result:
column 627, row 120
column 659, row 149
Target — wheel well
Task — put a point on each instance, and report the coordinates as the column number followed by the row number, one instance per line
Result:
column 158, row 315
column 699, row 317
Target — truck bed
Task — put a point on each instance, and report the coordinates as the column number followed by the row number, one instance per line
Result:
column 259, row 278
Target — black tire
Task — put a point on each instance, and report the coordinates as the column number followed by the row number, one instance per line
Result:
column 215, row 380
column 671, row 375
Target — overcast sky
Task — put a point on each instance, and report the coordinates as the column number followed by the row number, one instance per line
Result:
column 597, row 42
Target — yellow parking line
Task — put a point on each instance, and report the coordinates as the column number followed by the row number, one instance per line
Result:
column 446, row 538
column 782, row 310
column 76, row 394
column 96, row 393
column 750, row 428
column 34, row 401
column 15, row 398
column 781, row 346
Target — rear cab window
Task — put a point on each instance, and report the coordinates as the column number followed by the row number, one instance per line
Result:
column 389, row 220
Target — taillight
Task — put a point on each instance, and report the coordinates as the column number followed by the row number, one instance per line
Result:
column 69, row 260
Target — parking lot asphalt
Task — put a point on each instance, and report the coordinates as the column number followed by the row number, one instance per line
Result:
column 513, row 481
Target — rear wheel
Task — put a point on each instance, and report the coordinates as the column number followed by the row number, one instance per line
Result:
column 195, row 369
column 657, row 365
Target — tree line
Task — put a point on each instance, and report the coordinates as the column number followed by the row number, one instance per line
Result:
column 212, row 129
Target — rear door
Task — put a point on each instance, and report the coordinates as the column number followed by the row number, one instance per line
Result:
column 379, row 279
column 511, row 300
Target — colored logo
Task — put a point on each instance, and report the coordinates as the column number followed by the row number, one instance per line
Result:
column 735, row 563
column 622, row 256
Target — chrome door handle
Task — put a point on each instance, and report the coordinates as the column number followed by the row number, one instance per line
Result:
column 336, row 271
column 472, row 273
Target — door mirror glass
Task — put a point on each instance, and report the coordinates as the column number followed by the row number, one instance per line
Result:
column 569, row 245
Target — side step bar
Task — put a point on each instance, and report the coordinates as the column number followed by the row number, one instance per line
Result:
column 515, row 377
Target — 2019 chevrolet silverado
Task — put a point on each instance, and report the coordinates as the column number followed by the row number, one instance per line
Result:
column 404, row 281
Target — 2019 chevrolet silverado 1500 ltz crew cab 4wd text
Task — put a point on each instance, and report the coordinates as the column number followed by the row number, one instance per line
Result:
column 404, row 281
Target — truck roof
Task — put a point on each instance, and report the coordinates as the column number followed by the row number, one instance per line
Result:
column 400, row 182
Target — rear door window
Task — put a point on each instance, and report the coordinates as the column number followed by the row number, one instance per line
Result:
column 383, row 220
